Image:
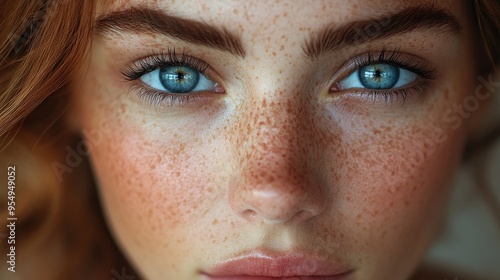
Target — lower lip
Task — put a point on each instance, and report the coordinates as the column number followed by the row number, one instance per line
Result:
column 343, row 276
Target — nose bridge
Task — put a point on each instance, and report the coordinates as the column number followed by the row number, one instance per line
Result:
column 274, row 147
column 275, row 181
column 279, row 118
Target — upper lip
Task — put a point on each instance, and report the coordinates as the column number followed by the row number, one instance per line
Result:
column 271, row 264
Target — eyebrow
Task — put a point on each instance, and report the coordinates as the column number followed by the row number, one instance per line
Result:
column 410, row 19
column 329, row 39
column 147, row 20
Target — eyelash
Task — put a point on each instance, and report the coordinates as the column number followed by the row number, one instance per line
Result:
column 155, row 61
column 395, row 58
column 160, row 60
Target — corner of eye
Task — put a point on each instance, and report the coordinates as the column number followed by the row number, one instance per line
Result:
column 219, row 89
column 335, row 87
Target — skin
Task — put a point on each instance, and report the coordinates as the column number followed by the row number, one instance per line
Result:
column 276, row 161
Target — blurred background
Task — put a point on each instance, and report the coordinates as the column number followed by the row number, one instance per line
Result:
column 470, row 241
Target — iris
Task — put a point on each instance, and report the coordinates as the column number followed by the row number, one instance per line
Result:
column 179, row 79
column 379, row 76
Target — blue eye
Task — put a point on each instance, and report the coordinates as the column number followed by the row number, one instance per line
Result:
column 378, row 76
column 178, row 79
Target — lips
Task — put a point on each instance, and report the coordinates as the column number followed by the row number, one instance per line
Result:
column 261, row 265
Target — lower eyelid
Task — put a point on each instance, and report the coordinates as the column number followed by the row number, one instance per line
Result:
column 402, row 95
column 164, row 102
column 161, row 101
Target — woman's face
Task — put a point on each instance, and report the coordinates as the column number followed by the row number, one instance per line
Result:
column 233, row 138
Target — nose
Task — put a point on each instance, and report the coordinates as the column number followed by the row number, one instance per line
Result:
column 276, row 180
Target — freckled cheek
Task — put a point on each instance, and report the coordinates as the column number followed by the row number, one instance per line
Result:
column 153, row 189
column 396, row 185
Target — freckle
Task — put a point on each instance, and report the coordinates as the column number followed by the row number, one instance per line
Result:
column 387, row 129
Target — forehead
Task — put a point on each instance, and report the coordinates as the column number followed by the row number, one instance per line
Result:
column 265, row 17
